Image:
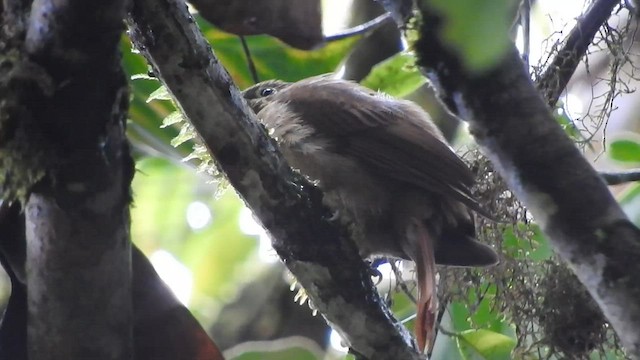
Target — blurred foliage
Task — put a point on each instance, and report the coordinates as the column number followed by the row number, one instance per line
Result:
column 217, row 254
column 288, row 348
column 487, row 312
column 484, row 344
column 524, row 308
column 625, row 150
column 272, row 59
column 630, row 201
column 288, row 353
column 569, row 126
column 397, row 76
column 468, row 26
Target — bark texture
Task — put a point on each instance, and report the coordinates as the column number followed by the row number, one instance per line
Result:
column 512, row 123
column 77, row 217
column 163, row 328
column 321, row 256
column 557, row 75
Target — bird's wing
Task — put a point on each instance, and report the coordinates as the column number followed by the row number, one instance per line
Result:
column 381, row 136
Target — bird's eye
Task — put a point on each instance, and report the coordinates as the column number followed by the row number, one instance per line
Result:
column 267, row 91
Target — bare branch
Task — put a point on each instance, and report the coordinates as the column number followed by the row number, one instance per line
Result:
column 360, row 29
column 321, row 256
column 556, row 77
column 400, row 9
column 516, row 130
column 620, row 177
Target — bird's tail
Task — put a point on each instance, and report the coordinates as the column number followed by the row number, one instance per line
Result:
column 458, row 247
column 423, row 256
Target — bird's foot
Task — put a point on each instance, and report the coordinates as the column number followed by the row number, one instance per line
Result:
column 335, row 216
column 375, row 273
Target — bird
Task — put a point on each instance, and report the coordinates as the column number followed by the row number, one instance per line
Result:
column 385, row 170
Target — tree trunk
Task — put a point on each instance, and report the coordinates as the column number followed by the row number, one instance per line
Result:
column 77, row 217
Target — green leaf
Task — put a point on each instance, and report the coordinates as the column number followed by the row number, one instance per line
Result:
column 484, row 314
column 459, row 316
column 397, row 76
column 569, row 127
column 293, row 353
column 478, row 30
column 626, row 150
column 485, row 344
column 630, row 203
column 542, row 250
column 453, row 345
column 273, row 59
column 446, row 346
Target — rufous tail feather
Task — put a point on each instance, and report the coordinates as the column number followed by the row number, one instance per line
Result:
column 427, row 292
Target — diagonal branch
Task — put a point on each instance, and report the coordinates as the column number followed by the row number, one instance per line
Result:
column 321, row 256
column 557, row 75
column 516, row 130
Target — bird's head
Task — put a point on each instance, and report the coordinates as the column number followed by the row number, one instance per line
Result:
column 259, row 95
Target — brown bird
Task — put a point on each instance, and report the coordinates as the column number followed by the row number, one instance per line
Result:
column 387, row 172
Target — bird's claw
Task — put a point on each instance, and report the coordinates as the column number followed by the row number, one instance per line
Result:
column 375, row 273
column 335, row 216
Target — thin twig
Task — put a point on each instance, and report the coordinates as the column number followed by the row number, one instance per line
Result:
column 252, row 65
column 439, row 328
column 400, row 282
column 557, row 75
column 447, row 332
column 620, row 177
column 360, row 29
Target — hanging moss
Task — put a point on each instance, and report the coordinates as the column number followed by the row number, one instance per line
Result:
column 23, row 158
column 531, row 288
column 572, row 322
